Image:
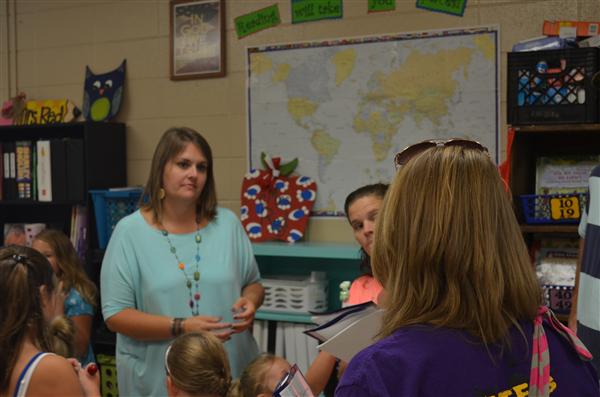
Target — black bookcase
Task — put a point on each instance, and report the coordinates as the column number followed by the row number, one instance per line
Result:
column 104, row 166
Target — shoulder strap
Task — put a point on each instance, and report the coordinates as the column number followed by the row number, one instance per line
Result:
column 25, row 376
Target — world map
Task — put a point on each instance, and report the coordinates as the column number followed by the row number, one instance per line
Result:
column 345, row 107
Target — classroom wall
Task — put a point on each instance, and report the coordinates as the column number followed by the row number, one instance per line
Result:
column 56, row 39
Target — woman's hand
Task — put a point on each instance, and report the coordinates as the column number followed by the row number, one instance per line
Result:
column 244, row 311
column 213, row 324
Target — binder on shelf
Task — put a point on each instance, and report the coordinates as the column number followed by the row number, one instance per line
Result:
column 75, row 169
column 9, row 181
column 1, row 171
column 44, row 170
column 58, row 170
column 23, row 170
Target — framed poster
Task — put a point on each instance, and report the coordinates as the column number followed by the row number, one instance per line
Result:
column 197, row 39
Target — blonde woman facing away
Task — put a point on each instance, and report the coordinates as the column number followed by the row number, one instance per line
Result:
column 463, row 314
column 260, row 377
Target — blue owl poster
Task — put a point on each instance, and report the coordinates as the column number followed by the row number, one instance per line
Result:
column 103, row 93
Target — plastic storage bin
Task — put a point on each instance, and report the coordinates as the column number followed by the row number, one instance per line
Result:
column 553, row 86
column 109, row 207
column 299, row 295
column 552, row 208
column 108, row 375
column 558, row 298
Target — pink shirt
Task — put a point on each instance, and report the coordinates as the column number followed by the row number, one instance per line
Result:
column 363, row 289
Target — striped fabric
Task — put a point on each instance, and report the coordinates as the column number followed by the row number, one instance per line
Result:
column 539, row 379
column 588, row 302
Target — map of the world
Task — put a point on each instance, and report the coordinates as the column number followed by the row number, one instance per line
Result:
column 345, row 107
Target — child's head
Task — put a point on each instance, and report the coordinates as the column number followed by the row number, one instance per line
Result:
column 197, row 365
column 261, row 376
column 61, row 254
column 28, row 296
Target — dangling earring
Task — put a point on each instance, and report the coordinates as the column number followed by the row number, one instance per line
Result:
column 161, row 193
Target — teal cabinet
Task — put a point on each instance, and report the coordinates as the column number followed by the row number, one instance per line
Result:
column 338, row 261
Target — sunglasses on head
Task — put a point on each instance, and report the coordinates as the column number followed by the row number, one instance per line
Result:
column 405, row 155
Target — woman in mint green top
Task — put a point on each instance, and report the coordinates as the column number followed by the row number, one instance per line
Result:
column 178, row 265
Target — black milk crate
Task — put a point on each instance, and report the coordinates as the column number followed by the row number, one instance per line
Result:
column 559, row 298
column 554, row 86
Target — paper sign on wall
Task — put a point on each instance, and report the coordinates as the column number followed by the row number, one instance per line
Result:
column 454, row 7
column 381, row 5
column 256, row 21
column 314, row 10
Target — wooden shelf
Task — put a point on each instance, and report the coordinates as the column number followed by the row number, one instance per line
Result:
column 307, row 250
column 288, row 317
column 566, row 229
column 558, row 128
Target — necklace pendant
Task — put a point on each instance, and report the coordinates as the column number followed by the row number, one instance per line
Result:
column 189, row 284
column 164, row 232
column 191, row 304
column 198, row 239
column 196, row 275
column 197, row 296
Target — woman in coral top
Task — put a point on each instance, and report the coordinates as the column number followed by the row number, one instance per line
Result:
column 361, row 207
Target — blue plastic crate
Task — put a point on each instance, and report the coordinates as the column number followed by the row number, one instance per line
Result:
column 109, row 207
column 537, row 208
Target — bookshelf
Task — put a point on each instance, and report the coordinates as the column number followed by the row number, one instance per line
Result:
column 533, row 141
column 103, row 166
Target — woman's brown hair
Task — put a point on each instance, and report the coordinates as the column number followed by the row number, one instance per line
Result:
column 448, row 248
column 71, row 272
column 23, row 271
column 172, row 142
column 197, row 364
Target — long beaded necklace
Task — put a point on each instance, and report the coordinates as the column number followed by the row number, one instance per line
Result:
column 195, row 297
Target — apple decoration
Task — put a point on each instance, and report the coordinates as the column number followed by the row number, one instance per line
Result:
column 275, row 205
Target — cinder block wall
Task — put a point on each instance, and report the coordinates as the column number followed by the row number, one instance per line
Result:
column 56, row 39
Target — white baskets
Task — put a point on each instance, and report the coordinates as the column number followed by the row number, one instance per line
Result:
column 299, row 295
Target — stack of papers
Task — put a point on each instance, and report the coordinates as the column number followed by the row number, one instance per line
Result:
column 345, row 332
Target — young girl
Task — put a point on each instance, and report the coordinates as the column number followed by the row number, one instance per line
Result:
column 197, row 365
column 30, row 297
column 81, row 293
column 361, row 207
column 260, row 377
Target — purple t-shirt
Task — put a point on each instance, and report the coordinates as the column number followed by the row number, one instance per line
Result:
column 426, row 361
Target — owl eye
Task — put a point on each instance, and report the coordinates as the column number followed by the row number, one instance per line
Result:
column 108, row 83
column 97, row 84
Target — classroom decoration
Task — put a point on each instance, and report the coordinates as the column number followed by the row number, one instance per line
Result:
column 315, row 10
column 50, row 111
column 381, row 5
column 346, row 123
column 103, row 93
column 276, row 205
column 256, row 21
column 452, row 7
column 12, row 108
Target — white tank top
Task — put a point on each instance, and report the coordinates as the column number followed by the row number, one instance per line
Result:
column 25, row 377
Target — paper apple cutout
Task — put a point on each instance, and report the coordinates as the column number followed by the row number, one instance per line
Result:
column 275, row 205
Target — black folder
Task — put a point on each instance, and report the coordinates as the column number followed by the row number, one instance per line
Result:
column 58, row 167
column 75, row 169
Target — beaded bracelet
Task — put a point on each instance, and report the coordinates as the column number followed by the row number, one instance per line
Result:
column 177, row 326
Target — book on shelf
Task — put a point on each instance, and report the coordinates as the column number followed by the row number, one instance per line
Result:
column 564, row 174
column 347, row 331
column 58, row 169
column 21, row 233
column 293, row 384
column 75, row 169
column 44, row 180
column 23, row 170
column 79, row 230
